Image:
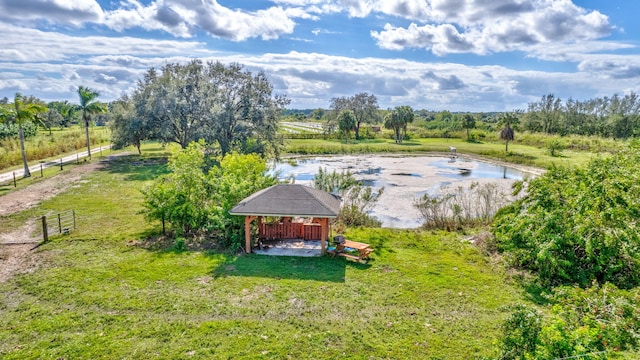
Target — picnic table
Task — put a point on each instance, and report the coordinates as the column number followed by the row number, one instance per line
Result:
column 342, row 250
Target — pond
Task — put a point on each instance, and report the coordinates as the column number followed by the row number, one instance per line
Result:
column 404, row 179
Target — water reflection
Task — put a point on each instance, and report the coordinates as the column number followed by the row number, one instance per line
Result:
column 404, row 178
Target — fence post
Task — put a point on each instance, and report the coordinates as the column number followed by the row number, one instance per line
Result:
column 60, row 164
column 45, row 235
column 14, row 179
column 59, row 224
column 77, row 158
column 41, row 175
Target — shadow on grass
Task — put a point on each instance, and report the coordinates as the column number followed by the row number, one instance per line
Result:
column 323, row 268
column 407, row 143
column 137, row 168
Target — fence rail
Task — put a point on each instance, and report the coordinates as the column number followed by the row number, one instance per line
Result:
column 58, row 224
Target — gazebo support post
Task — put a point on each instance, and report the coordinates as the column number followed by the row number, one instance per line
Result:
column 247, row 232
column 324, row 235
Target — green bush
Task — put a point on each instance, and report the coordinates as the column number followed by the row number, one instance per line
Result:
column 196, row 201
column 597, row 321
column 555, row 146
column 576, row 226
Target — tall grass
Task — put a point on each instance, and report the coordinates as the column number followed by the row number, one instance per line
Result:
column 43, row 145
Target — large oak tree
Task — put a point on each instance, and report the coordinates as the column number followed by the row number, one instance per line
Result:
column 224, row 105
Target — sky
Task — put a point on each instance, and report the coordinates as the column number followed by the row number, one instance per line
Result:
column 456, row 55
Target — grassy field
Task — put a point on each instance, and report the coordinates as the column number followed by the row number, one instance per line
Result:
column 105, row 291
column 46, row 146
column 518, row 154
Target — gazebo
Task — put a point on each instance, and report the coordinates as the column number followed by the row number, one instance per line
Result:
column 286, row 202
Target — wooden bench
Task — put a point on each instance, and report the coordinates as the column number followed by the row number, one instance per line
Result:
column 349, row 256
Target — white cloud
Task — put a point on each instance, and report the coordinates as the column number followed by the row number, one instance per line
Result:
column 184, row 18
column 31, row 45
column 68, row 12
column 481, row 27
column 312, row 79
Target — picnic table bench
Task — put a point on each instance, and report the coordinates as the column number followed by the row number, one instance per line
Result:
column 363, row 250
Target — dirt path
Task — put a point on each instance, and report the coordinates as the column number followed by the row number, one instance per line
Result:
column 16, row 256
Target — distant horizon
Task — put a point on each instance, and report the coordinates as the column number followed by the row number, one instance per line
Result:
column 463, row 56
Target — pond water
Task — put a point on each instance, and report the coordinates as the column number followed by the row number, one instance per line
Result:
column 404, row 179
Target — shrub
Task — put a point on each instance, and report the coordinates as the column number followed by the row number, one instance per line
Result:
column 356, row 198
column 197, row 201
column 555, row 146
column 475, row 204
column 576, row 226
column 593, row 322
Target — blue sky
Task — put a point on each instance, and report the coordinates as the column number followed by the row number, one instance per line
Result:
column 457, row 55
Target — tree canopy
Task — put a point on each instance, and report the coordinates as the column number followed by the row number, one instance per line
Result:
column 398, row 119
column 225, row 105
column 346, row 122
column 363, row 106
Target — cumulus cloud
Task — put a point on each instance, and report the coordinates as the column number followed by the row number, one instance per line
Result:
column 32, row 45
column 310, row 80
column 181, row 18
column 481, row 27
column 184, row 18
column 72, row 12
column 451, row 82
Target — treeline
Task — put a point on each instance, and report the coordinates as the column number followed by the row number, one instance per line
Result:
column 616, row 117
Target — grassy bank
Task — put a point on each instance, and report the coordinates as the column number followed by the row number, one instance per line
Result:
column 517, row 154
column 100, row 293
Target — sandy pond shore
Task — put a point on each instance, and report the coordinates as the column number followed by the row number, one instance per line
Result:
column 407, row 177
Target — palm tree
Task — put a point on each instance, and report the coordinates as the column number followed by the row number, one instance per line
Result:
column 89, row 106
column 22, row 113
column 507, row 134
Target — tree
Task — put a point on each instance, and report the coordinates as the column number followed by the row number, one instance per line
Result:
column 507, row 134
column 89, row 106
column 224, row 105
column 397, row 119
column 317, row 114
column 127, row 128
column 468, row 122
column 24, row 111
column 363, row 106
column 65, row 109
column 346, row 122
column 52, row 117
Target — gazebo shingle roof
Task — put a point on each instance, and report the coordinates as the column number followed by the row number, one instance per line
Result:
column 289, row 200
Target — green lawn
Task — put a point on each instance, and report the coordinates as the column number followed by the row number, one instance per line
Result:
column 100, row 294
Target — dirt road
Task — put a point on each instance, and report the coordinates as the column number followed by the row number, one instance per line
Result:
column 16, row 255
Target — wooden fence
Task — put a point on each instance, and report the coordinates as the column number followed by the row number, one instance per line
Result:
column 290, row 230
column 58, row 224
